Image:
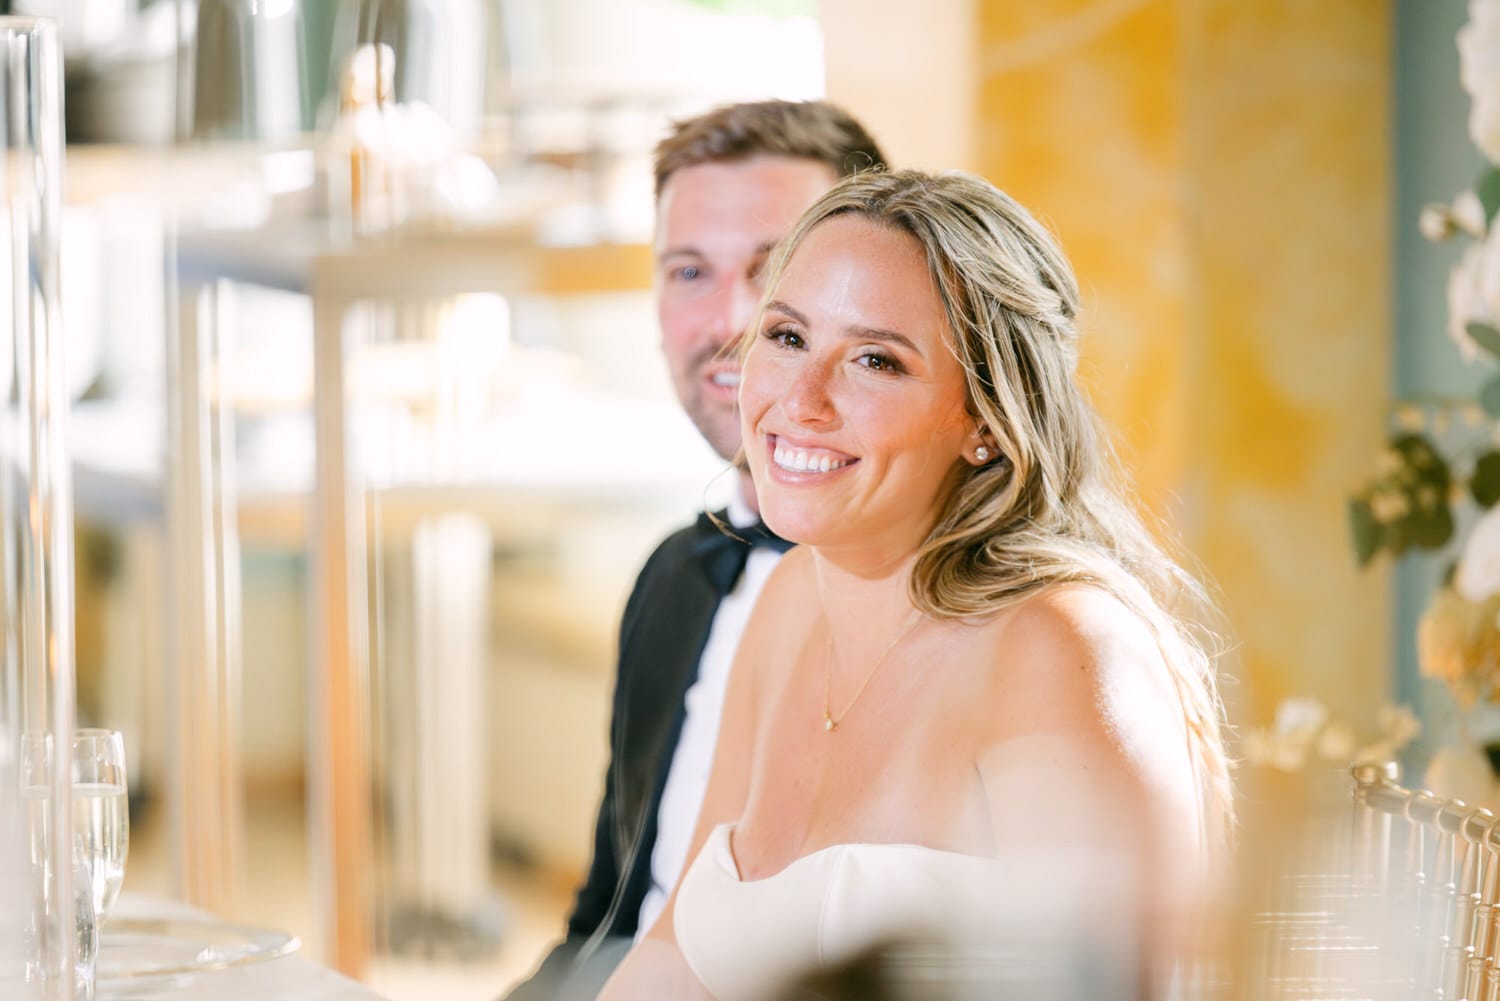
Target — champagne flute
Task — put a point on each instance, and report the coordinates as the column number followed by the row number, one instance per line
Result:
column 97, row 764
column 101, row 819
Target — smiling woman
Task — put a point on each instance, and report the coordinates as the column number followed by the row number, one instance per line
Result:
column 853, row 403
column 973, row 663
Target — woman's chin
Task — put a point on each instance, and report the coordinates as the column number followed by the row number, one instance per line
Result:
column 793, row 526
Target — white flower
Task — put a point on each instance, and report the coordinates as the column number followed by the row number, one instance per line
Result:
column 1465, row 303
column 1302, row 726
column 1399, row 724
column 1484, row 125
column 1438, row 222
column 1467, row 214
column 1299, row 718
column 1336, row 742
column 1477, row 41
column 1479, row 69
column 1461, row 773
column 1435, row 222
column 1488, row 309
column 1270, row 750
column 1478, row 574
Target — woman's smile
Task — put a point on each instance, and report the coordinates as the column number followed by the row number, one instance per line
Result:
column 790, row 457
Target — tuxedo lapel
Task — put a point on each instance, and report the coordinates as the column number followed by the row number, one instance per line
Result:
column 660, row 655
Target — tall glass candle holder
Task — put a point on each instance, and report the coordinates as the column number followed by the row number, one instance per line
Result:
column 45, row 937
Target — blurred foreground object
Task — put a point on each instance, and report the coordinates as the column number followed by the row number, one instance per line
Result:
column 43, row 931
column 1406, row 909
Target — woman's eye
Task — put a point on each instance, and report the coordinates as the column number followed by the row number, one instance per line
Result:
column 686, row 273
column 879, row 361
column 785, row 336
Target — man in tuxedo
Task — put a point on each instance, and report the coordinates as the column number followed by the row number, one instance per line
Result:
column 729, row 185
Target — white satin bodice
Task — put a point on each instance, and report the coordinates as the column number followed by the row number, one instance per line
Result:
column 746, row 940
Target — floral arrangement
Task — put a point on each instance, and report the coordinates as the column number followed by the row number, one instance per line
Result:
column 1427, row 497
column 1303, row 729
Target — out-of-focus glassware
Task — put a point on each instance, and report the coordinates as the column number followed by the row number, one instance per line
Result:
column 449, row 55
column 242, row 85
column 37, row 764
column 101, row 818
column 247, row 76
column 36, row 540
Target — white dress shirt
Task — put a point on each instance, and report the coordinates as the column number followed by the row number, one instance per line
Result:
column 687, row 780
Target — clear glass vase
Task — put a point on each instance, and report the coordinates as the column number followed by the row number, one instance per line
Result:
column 45, row 937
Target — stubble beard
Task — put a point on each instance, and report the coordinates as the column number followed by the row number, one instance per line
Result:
column 719, row 425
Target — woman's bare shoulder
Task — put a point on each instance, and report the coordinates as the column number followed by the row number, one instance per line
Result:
column 1083, row 725
column 1076, row 659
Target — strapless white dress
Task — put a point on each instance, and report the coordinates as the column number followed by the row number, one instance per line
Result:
column 748, row 940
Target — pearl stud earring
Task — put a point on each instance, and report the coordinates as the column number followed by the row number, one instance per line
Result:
column 982, row 454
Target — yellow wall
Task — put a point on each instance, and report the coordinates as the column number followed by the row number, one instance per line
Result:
column 907, row 71
column 1218, row 172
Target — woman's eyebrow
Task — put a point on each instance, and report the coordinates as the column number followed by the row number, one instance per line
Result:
column 781, row 307
column 889, row 336
column 857, row 333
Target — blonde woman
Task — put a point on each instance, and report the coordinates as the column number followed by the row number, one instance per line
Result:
column 967, row 698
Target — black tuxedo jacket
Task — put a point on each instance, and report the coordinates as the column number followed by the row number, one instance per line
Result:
column 662, row 635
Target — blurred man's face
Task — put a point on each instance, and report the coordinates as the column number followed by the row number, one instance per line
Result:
column 715, row 225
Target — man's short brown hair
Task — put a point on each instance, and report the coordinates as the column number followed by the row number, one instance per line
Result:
column 808, row 130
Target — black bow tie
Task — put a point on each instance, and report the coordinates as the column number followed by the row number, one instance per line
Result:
column 724, row 554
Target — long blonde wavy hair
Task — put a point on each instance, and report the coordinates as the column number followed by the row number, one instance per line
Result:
column 1054, row 507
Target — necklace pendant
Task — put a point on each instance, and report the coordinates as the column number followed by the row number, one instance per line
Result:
column 828, row 723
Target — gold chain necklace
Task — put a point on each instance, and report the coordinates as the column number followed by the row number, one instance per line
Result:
column 830, row 721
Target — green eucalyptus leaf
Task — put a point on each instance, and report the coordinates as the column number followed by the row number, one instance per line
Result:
column 1485, row 336
column 1396, row 538
column 1430, row 527
column 1484, row 485
column 1489, row 396
column 1487, row 187
column 1365, row 531
column 1425, row 463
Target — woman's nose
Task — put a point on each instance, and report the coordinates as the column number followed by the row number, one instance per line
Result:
column 807, row 399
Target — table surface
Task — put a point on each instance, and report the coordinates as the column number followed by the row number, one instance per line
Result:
column 293, row 976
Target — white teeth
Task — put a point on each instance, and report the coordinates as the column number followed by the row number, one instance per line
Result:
column 798, row 461
column 726, row 379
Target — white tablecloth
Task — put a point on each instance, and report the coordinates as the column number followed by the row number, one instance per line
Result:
column 292, row 976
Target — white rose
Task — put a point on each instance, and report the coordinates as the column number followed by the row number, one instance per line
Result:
column 1465, row 300
column 1484, row 126
column 1336, row 742
column 1479, row 69
column 1478, row 574
column 1399, row 725
column 1271, row 750
column 1477, row 42
column 1467, row 214
column 1435, row 222
column 1299, row 718
column 1461, row 773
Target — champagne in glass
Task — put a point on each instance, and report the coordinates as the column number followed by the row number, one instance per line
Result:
column 101, row 831
column 101, row 823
